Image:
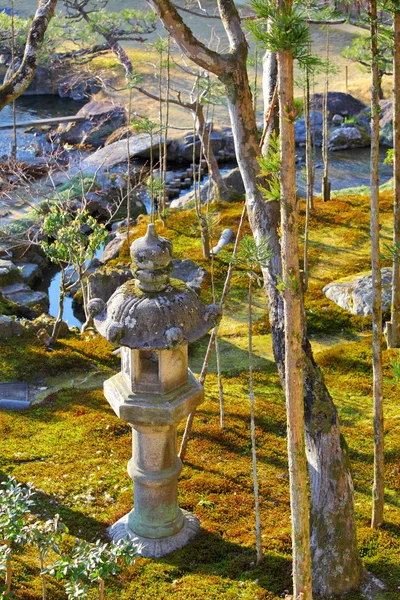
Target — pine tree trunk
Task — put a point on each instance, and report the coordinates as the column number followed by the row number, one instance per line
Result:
column 394, row 326
column 292, row 301
column 333, row 541
column 378, row 489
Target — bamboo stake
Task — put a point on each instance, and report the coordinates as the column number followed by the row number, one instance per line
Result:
column 253, row 428
column 378, row 492
column 269, row 116
column 206, row 362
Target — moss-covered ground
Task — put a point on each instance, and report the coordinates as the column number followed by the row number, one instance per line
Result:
column 74, row 449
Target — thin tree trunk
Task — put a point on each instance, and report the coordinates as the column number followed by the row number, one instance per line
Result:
column 128, row 182
column 165, row 148
column 101, row 589
column 326, row 185
column 220, row 386
column 309, row 175
column 160, row 142
column 253, row 429
column 309, row 153
column 14, row 106
column 85, row 299
column 292, row 300
column 255, row 84
column 8, row 569
column 57, row 324
column 378, row 489
column 217, row 353
column 43, row 576
column 204, row 232
column 394, row 326
column 221, row 191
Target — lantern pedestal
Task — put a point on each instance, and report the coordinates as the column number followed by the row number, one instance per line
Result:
column 156, row 525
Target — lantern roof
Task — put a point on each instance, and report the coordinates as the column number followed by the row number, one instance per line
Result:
column 152, row 311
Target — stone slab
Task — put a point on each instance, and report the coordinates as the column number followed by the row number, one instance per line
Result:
column 14, row 396
column 29, row 271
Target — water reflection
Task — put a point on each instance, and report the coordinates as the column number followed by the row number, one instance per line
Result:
column 347, row 168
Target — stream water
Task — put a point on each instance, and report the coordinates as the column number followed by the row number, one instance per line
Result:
column 29, row 108
column 347, row 169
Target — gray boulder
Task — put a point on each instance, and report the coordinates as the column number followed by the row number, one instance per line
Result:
column 104, row 281
column 346, row 137
column 188, row 272
column 9, row 328
column 117, row 153
column 79, row 89
column 386, row 123
column 355, row 294
column 232, row 178
column 316, row 129
column 184, row 146
column 339, row 103
column 112, row 249
column 101, row 119
column 46, row 322
column 29, row 303
column 338, row 119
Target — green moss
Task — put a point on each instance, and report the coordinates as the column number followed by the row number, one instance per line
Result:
column 7, row 307
column 26, row 359
column 73, row 445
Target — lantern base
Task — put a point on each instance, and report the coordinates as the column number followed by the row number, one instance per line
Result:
column 156, row 548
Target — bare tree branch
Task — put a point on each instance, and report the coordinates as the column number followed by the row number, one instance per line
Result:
column 188, row 43
column 203, row 15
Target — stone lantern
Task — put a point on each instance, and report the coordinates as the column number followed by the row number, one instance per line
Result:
column 152, row 319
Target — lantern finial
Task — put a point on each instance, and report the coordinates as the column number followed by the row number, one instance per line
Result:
column 152, row 257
